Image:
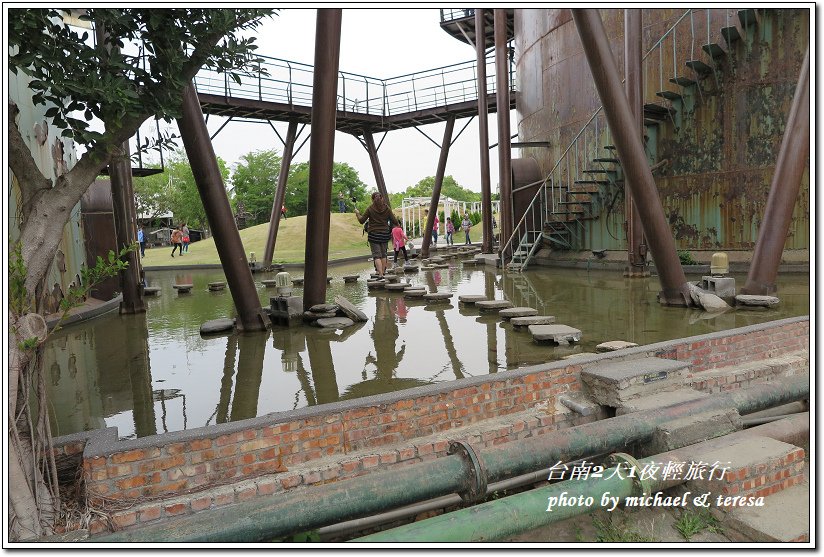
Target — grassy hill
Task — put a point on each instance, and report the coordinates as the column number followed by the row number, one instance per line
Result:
column 345, row 240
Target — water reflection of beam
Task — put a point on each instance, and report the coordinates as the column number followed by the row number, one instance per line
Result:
column 457, row 366
column 491, row 332
column 385, row 336
column 323, row 369
column 140, row 377
column 252, row 348
column 222, row 410
column 305, row 384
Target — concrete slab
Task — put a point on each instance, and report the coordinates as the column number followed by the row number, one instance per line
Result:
column 612, row 383
column 578, row 355
column 297, row 281
column 471, row 298
column 532, row 320
column 613, row 345
column 217, row 326
column 315, row 315
column 756, row 301
column 438, row 296
column 397, row 286
column 414, row 293
column 493, row 305
column 561, row 334
column 509, row 313
column 350, row 310
column 334, row 323
column 269, row 283
column 659, row 400
column 151, row 291
column 694, row 429
column 785, row 517
column 375, row 284
column 323, row 308
column 182, row 286
column 350, row 278
column 410, row 269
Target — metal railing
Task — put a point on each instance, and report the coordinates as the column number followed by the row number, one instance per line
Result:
column 453, row 14
column 553, row 196
column 290, row 83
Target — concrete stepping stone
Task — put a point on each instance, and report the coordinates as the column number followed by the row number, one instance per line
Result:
column 217, row 326
column 350, row 278
column 427, row 267
column 493, row 305
column 315, row 315
column 392, row 278
column 397, row 286
column 334, row 322
column 659, row 400
column 756, row 301
column 269, row 283
column 561, row 334
column 441, row 266
column 151, row 291
column 438, row 296
column 469, row 262
column 470, row 299
column 410, row 269
column 526, row 321
column 215, row 286
column 183, row 288
column 324, row 308
column 412, row 293
column 509, row 313
column 613, row 345
column 375, row 284
column 297, row 281
column 614, row 383
column 350, row 310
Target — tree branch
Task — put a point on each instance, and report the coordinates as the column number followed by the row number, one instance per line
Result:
column 31, row 180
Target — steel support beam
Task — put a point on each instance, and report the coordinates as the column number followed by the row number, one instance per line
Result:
column 321, row 155
column 436, row 189
column 219, row 214
column 674, row 288
column 125, row 225
column 483, row 132
column 504, row 142
column 633, row 79
column 376, row 164
column 792, row 160
column 280, row 193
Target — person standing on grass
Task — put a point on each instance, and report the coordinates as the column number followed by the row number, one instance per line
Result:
column 450, row 230
column 436, row 225
column 177, row 241
column 141, row 239
column 185, row 231
column 341, row 203
column 380, row 218
column 466, row 224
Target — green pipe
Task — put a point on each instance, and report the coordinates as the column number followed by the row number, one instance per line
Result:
column 306, row 509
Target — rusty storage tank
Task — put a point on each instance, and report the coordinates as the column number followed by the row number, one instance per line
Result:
column 717, row 87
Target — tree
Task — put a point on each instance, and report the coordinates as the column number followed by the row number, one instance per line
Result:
column 186, row 203
column 98, row 96
column 345, row 179
column 254, row 182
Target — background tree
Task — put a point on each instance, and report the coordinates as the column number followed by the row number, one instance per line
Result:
column 186, row 203
column 424, row 188
column 98, row 95
column 254, row 182
column 344, row 179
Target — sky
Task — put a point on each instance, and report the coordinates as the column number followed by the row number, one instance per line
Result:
column 378, row 43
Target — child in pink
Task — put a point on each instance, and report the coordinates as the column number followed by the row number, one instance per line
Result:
column 399, row 240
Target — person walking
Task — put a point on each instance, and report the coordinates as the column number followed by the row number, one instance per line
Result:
column 436, row 225
column 185, row 231
column 141, row 239
column 399, row 240
column 380, row 218
column 341, row 203
column 177, row 241
column 283, row 211
column 450, row 230
column 466, row 224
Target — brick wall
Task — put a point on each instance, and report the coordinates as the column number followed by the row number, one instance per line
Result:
column 327, row 442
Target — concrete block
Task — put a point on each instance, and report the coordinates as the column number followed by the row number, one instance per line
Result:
column 561, row 334
column 659, row 400
column 334, row 322
column 471, row 298
column 532, row 320
column 612, row 383
column 613, row 345
column 509, row 313
column 694, row 429
column 756, row 301
column 217, row 326
column 493, row 305
column 723, row 287
column 350, row 310
column 785, row 517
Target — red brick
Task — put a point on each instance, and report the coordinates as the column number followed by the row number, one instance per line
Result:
column 201, row 503
column 176, row 448
column 175, row 509
column 128, row 456
column 224, row 499
column 200, row 444
column 370, row 461
column 247, row 494
column 267, row 488
column 290, row 482
column 125, row 519
column 151, row 513
column 128, row 483
column 352, row 465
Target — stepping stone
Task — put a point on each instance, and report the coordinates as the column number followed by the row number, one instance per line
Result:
column 183, row 288
column 375, row 284
column 441, row 266
column 217, row 326
column 269, row 283
column 438, row 296
column 392, row 278
column 756, row 301
column 427, row 267
column 323, row 308
column 532, row 320
column 410, row 269
column 614, row 345
column 509, row 313
column 215, row 286
column 350, row 278
column 493, row 305
column 411, row 293
column 334, row 323
column 315, row 315
column 297, row 281
column 397, row 286
column 659, row 400
column 472, row 298
column 614, row 383
column 374, row 276
column 469, row 262
column 561, row 334
column 151, row 291
column 350, row 310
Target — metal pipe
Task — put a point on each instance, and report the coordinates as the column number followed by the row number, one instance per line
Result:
column 436, row 188
column 376, row 164
column 674, row 288
column 633, row 78
column 305, row 509
column 792, row 160
column 504, row 143
column 219, row 213
column 321, row 155
column 483, row 131
column 280, row 193
column 526, row 511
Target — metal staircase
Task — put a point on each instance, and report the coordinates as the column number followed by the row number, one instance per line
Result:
column 587, row 177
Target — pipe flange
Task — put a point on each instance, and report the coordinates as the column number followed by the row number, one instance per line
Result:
column 642, row 486
column 475, row 471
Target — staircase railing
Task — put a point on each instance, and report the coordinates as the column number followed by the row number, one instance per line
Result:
column 556, row 186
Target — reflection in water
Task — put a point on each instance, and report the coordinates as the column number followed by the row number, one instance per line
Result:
column 100, row 373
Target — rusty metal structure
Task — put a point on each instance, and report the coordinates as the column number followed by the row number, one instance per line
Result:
column 716, row 86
